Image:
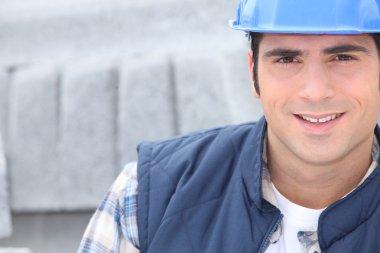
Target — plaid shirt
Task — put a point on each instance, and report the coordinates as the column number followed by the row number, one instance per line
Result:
column 113, row 228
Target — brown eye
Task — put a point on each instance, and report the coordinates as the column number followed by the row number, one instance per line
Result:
column 344, row 57
column 287, row 59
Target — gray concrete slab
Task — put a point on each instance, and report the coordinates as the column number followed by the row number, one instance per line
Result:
column 47, row 232
column 15, row 250
column 87, row 131
column 146, row 104
column 201, row 94
column 55, row 30
column 242, row 104
column 33, row 137
column 4, row 96
column 5, row 216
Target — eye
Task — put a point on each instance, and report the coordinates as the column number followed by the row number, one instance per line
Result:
column 287, row 59
column 344, row 58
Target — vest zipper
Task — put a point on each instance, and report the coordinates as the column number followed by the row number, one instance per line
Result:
column 266, row 241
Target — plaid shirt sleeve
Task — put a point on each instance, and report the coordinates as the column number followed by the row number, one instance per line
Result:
column 113, row 227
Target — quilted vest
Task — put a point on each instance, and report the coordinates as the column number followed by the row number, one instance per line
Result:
column 201, row 193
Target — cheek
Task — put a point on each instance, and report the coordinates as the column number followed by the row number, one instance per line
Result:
column 360, row 85
column 274, row 102
column 363, row 92
column 276, row 92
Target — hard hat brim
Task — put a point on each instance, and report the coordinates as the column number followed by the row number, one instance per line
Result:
column 297, row 30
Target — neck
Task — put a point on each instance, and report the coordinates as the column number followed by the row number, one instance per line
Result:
column 318, row 186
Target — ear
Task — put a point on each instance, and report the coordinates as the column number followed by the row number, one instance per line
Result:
column 252, row 78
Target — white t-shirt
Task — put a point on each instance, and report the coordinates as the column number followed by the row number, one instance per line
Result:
column 299, row 228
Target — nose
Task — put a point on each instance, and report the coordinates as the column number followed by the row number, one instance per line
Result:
column 316, row 83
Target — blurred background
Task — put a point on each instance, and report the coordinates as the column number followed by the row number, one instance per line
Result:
column 82, row 82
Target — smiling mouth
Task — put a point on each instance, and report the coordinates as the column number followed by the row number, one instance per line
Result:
column 319, row 120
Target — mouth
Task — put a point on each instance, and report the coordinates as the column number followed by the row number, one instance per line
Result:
column 319, row 119
column 319, row 124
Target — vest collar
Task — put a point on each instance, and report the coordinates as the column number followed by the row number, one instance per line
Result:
column 251, row 164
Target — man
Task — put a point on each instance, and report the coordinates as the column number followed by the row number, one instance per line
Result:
column 303, row 179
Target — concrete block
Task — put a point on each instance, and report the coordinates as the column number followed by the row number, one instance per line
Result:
column 241, row 102
column 52, row 232
column 4, row 96
column 40, row 30
column 88, row 133
column 146, row 104
column 33, row 137
column 15, row 250
column 201, row 94
column 5, row 216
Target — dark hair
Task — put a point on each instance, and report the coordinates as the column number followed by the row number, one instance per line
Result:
column 255, row 42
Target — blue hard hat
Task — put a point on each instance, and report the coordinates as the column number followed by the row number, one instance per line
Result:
column 308, row 16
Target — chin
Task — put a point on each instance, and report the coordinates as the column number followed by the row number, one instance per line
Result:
column 319, row 159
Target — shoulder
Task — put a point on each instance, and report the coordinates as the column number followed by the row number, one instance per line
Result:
column 188, row 171
column 199, row 154
column 129, row 174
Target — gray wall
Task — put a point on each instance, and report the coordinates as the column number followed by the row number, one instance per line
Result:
column 82, row 82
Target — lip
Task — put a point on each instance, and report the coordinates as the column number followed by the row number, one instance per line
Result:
column 318, row 128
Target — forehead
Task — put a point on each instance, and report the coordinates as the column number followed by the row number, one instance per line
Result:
column 314, row 42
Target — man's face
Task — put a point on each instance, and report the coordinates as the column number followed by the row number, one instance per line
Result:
column 320, row 94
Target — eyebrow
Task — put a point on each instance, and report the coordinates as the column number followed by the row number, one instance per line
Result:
column 282, row 52
column 345, row 49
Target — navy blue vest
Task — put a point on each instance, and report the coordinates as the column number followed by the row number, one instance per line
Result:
column 201, row 193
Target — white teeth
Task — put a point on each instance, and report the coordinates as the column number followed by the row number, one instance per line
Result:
column 321, row 120
column 312, row 120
